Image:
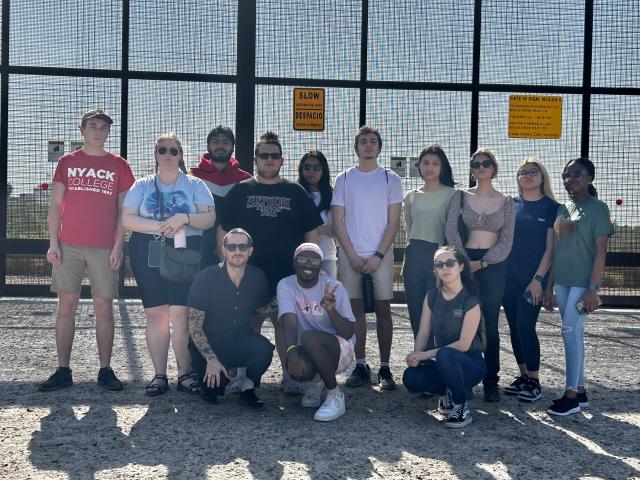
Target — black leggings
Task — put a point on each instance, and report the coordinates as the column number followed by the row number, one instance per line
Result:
column 522, row 317
column 491, row 282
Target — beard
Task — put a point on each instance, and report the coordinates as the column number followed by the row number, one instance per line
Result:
column 220, row 157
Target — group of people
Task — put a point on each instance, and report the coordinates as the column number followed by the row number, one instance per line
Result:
column 269, row 251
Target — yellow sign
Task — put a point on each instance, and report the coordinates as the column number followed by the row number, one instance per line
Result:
column 535, row 116
column 308, row 109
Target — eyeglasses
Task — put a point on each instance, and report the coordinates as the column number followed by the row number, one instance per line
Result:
column 528, row 173
column 575, row 174
column 447, row 263
column 243, row 247
column 173, row 151
column 312, row 168
column 484, row 164
column 313, row 261
column 272, row 156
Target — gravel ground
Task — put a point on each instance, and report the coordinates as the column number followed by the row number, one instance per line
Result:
column 84, row 432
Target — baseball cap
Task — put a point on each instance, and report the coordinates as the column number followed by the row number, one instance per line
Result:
column 96, row 113
column 308, row 247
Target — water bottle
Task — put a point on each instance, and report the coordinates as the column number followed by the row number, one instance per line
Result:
column 180, row 238
column 367, row 293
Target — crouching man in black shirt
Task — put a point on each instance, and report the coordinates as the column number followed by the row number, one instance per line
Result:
column 222, row 301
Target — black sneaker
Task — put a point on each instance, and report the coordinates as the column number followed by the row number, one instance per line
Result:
column 564, row 406
column 445, row 403
column 583, row 401
column 491, row 393
column 250, row 399
column 516, row 386
column 61, row 378
column 459, row 417
column 361, row 375
column 531, row 392
column 107, row 379
column 385, row 379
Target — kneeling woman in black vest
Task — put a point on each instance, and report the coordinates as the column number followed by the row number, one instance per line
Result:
column 452, row 314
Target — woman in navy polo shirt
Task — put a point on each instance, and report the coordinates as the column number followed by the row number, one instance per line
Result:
column 527, row 267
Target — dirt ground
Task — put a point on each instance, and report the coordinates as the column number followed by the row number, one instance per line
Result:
column 84, row 432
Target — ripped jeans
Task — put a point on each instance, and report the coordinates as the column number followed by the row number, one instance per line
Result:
column 572, row 334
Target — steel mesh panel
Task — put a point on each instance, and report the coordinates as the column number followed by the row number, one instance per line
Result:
column 300, row 39
column 536, row 42
column 71, row 34
column 616, row 44
column 421, row 41
column 189, row 109
column 44, row 108
column 28, row 270
column 191, row 36
column 614, row 147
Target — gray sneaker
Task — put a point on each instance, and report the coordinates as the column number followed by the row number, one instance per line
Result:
column 445, row 403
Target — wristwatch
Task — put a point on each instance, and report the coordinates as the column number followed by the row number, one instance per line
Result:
column 379, row 255
column 538, row 278
column 594, row 286
column 483, row 263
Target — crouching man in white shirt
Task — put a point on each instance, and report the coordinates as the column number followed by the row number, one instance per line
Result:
column 318, row 327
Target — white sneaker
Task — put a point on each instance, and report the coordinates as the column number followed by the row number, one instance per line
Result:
column 313, row 394
column 332, row 408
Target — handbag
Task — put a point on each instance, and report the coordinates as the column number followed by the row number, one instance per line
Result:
column 176, row 264
column 462, row 227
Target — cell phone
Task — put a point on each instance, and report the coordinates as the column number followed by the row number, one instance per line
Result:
column 155, row 250
column 580, row 306
column 528, row 297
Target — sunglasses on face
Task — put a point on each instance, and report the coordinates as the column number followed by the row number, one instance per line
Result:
column 243, row 247
column 173, row 151
column 528, row 173
column 312, row 168
column 484, row 164
column 314, row 262
column 447, row 263
column 575, row 174
column 272, row 156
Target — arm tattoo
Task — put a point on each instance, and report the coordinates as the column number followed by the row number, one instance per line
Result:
column 196, row 323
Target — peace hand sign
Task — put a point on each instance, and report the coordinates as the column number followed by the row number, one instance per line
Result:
column 329, row 299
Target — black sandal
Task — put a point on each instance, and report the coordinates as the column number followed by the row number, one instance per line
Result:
column 155, row 389
column 193, row 388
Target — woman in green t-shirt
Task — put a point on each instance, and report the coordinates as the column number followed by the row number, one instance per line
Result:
column 425, row 216
column 582, row 230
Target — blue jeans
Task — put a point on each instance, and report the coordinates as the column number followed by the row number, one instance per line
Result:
column 458, row 371
column 572, row 334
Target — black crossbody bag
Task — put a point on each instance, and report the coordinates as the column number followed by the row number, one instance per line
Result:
column 176, row 264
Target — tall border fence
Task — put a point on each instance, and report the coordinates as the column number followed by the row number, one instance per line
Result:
column 423, row 72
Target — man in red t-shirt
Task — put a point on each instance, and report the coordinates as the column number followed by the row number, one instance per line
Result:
column 86, row 234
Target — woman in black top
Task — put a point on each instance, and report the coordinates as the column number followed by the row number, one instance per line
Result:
column 452, row 313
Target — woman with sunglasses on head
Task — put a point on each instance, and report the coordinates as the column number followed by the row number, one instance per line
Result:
column 488, row 217
column 185, row 208
column 582, row 230
column 527, row 268
column 425, row 217
column 314, row 176
column 451, row 313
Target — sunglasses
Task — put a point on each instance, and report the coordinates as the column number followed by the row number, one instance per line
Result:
column 575, row 174
column 484, row 164
column 243, row 247
column 312, row 168
column 314, row 262
column 173, row 151
column 528, row 173
column 272, row 156
column 447, row 263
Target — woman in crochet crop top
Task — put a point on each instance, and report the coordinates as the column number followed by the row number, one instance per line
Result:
column 489, row 216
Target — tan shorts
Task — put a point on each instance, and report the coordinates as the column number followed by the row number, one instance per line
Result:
column 67, row 277
column 347, row 355
column 382, row 278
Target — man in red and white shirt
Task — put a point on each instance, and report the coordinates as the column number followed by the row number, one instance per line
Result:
column 86, row 234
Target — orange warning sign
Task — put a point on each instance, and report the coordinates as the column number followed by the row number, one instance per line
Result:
column 535, row 116
column 308, row 109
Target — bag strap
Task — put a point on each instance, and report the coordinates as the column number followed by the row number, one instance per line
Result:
column 159, row 195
